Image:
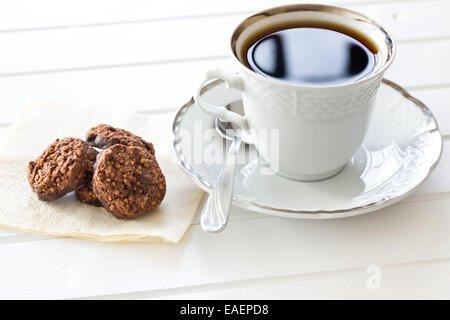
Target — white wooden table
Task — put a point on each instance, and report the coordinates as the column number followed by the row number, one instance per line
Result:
column 145, row 55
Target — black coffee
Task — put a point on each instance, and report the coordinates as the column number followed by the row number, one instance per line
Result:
column 311, row 56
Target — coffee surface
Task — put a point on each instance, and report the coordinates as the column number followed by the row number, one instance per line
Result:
column 311, row 56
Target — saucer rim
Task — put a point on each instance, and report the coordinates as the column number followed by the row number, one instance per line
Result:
column 305, row 214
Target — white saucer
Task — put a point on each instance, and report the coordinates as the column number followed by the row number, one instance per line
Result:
column 402, row 147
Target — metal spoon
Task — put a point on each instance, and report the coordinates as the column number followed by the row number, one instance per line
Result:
column 216, row 211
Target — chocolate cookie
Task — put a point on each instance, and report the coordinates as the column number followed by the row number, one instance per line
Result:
column 61, row 168
column 103, row 136
column 85, row 193
column 128, row 181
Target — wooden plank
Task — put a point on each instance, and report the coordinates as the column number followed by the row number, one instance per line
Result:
column 423, row 280
column 175, row 40
column 400, row 234
column 153, row 87
column 29, row 14
column 111, row 45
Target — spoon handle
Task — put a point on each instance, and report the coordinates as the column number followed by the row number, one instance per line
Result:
column 216, row 211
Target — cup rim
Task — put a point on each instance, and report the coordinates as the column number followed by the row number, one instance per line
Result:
column 316, row 8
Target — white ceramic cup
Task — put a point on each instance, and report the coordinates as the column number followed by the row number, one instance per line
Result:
column 319, row 127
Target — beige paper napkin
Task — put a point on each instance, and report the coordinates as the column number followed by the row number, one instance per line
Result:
column 39, row 124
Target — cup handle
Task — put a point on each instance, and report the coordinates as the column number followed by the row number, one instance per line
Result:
column 232, row 81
